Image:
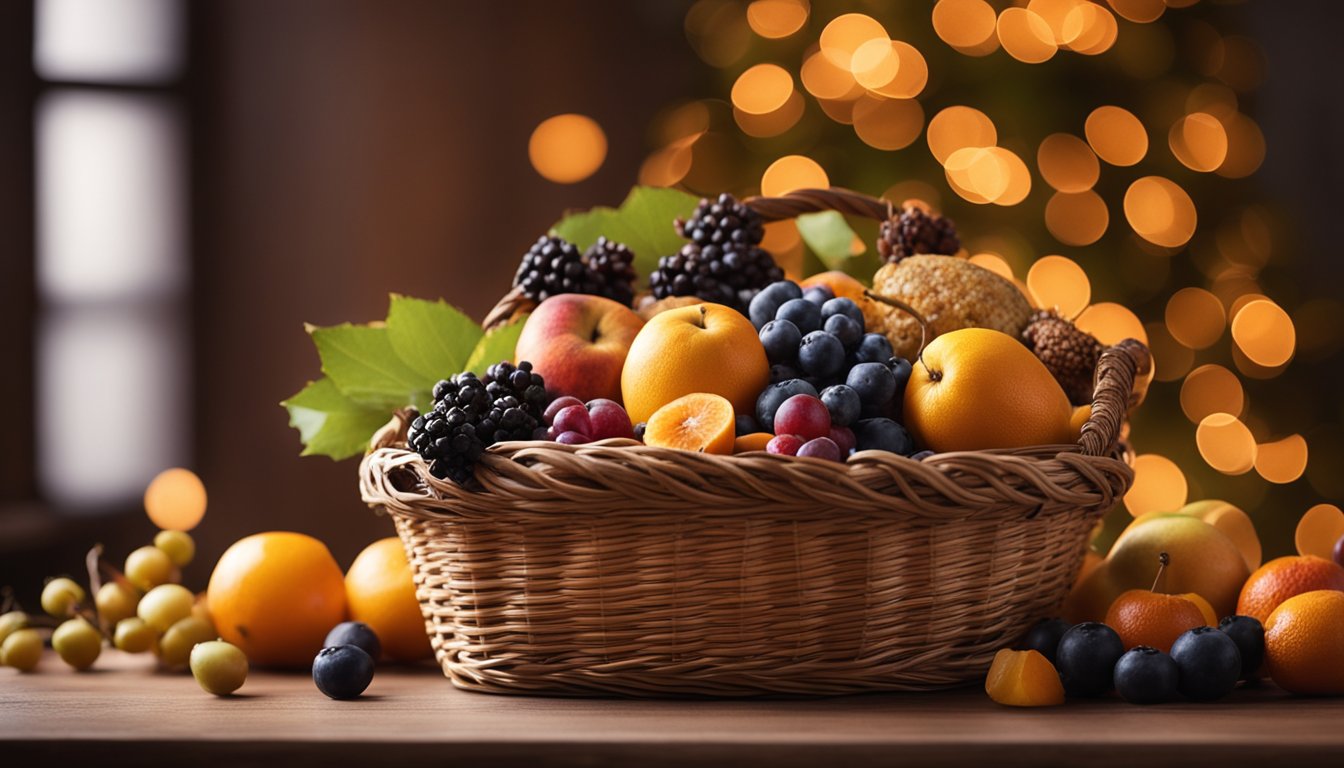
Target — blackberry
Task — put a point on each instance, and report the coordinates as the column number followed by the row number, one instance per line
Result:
column 504, row 379
column 553, row 266
column 613, row 266
column 729, row 275
column 915, row 231
column 723, row 222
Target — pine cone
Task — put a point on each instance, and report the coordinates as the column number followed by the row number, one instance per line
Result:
column 1069, row 353
column 915, row 231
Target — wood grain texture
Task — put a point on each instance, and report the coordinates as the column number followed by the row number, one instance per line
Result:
column 124, row 713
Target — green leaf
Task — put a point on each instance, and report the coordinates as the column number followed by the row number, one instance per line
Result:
column 829, row 236
column 432, row 337
column 362, row 364
column 331, row 424
column 643, row 223
column 497, row 344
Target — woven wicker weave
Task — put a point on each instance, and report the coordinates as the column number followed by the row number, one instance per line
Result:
column 618, row 568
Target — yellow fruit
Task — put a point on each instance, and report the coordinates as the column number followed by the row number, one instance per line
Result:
column 1229, row 519
column 977, row 389
column 276, row 595
column 702, row 348
column 1023, row 679
column 1304, row 647
column 1076, row 421
column 381, row 593
column 1203, row 560
column 1142, row 617
column 697, row 422
column 651, row 307
column 1276, row 581
column 756, row 441
column 841, row 284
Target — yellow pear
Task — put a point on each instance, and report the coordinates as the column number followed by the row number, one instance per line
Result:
column 1203, row 560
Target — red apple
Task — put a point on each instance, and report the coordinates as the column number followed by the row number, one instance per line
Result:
column 578, row 343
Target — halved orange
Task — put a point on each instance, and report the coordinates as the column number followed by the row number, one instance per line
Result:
column 699, row 421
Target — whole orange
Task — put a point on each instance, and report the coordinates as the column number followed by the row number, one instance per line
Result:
column 1142, row 617
column 1304, row 644
column 841, row 284
column 702, row 348
column 276, row 595
column 1285, row 577
column 381, row 593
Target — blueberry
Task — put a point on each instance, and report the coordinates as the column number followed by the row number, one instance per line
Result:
column 745, row 425
column 820, row 354
column 355, row 633
column 1145, row 675
column 1044, row 635
column 780, row 339
column 1086, row 658
column 874, row 382
column 843, row 403
column 901, row 370
column 818, row 294
column 774, row 396
column 882, row 434
column 802, row 313
column 766, row 303
column 843, row 328
column 843, row 306
column 342, row 671
column 873, row 348
column 1249, row 635
column 780, row 372
column 639, row 430
column 1209, row 661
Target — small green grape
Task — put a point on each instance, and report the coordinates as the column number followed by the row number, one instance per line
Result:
column 178, row 545
column 60, row 596
column 219, row 667
column 133, row 635
column 175, row 646
column 148, row 567
column 165, row 605
column 77, row 643
column 115, row 602
column 11, row 622
column 22, row 649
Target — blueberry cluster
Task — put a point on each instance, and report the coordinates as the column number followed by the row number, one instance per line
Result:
column 553, row 266
column 817, row 345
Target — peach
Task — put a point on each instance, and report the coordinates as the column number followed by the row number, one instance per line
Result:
column 578, row 343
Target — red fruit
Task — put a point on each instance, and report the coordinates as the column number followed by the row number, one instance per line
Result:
column 573, row 418
column 784, row 445
column 572, row 438
column 608, row 419
column 844, row 438
column 557, row 405
column 805, row 416
column 820, row 448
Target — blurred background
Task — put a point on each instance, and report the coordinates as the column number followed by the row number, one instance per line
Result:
column 184, row 184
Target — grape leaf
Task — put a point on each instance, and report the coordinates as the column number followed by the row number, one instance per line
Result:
column 432, row 337
column 362, row 364
column 497, row 344
column 643, row 223
column 331, row 424
column 829, row 236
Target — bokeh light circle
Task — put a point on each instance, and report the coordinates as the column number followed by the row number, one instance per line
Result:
column 793, row 172
column 1210, row 389
column 1059, row 283
column 175, row 500
column 1077, row 218
column 958, row 127
column 1160, row 212
column 1067, row 163
column 1282, row 461
column 1225, row 443
column 1159, row 485
column 1116, row 135
column 1195, row 317
column 567, row 149
column 1264, row 333
column 964, row 23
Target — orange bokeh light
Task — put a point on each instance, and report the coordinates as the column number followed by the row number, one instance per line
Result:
column 1025, row 35
column 1199, row 141
column 793, row 172
column 888, row 123
column 1079, row 218
column 773, row 123
column 1159, row 485
column 1111, row 323
column 1067, row 163
column 844, row 34
column 1160, row 212
column 964, row 23
column 957, row 127
column 1089, row 29
column 1282, row 461
column 762, row 89
column 1226, row 444
column 1116, row 135
column 1195, row 317
column 1211, row 389
column 1141, row 11
column 775, row 19
column 567, row 148
column 1264, row 333
column 1058, row 283
column 825, row 80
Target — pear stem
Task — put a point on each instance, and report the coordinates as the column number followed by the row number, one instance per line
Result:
column 703, row 312
column 1163, row 560
column 924, row 335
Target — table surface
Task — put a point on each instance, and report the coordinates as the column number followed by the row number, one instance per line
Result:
column 124, row 712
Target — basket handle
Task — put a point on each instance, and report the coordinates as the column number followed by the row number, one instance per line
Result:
column 801, row 201
column 1114, row 394
column 393, row 434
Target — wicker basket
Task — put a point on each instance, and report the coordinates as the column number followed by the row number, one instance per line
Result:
column 618, row 568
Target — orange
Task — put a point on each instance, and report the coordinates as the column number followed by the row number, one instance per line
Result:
column 978, row 389
column 699, row 421
column 1286, row 577
column 702, row 348
column 1079, row 417
column 650, row 308
column 276, row 595
column 1304, row 647
column 381, row 593
column 1023, row 679
column 841, row 284
column 1204, row 606
column 1148, row 618
column 756, row 441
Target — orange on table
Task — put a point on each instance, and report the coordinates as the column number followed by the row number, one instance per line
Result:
column 841, row 284
column 700, row 421
column 276, row 595
column 1276, row 581
column 1318, row 531
column 756, row 441
column 1023, row 679
column 381, row 593
column 1142, row 617
column 1304, row 644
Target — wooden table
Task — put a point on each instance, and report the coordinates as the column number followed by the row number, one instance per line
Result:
column 125, row 713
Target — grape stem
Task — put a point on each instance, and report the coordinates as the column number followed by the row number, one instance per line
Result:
column 924, row 331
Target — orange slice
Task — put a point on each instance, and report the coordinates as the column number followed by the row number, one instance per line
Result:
column 699, row 421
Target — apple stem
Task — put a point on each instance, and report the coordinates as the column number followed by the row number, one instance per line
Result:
column 925, row 334
column 1163, row 560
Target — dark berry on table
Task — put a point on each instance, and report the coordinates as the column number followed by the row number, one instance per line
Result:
column 1249, row 635
column 342, row 671
column 1145, row 675
column 916, row 231
column 820, row 354
column 843, row 403
column 780, row 339
column 1086, row 658
column 802, row 313
column 767, row 302
column 882, row 434
column 848, row 332
column 1209, row 661
column 873, row 348
column 613, row 268
column 774, row 396
column 745, row 424
column 874, row 382
column 1044, row 636
column 355, row 633
column 780, row 372
column 843, row 306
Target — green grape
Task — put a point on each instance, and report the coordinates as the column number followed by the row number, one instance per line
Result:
column 175, row 646
column 11, row 622
column 219, row 667
column 165, row 605
column 133, row 635
column 148, row 567
column 178, row 545
column 60, row 596
column 22, row 649
column 77, row 643
column 115, row 602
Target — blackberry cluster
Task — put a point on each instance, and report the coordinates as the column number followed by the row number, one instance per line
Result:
column 724, row 262
column 916, row 231
column 553, row 266
column 470, row 414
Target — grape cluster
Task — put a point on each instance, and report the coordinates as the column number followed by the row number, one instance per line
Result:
column 553, row 266
column 723, row 262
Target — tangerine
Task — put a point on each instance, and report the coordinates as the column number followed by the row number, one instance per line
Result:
column 381, row 593
column 1204, row 606
column 1304, row 647
column 1153, row 619
column 276, row 595
column 756, row 441
column 1285, row 577
column 1023, row 679
column 699, row 421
